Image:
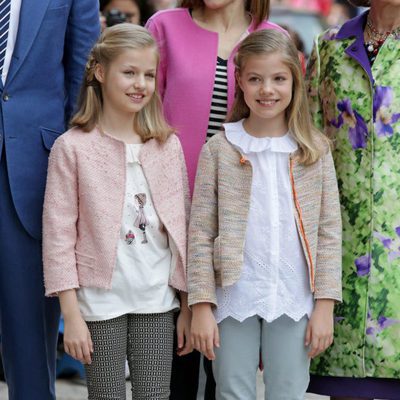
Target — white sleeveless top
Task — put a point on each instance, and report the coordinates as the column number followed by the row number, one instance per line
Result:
column 140, row 278
column 274, row 277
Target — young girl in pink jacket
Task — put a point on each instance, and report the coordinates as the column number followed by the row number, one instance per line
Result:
column 115, row 213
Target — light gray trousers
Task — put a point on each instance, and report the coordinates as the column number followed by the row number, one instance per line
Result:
column 284, row 356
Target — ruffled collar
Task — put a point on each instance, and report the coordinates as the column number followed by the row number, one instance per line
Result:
column 132, row 152
column 245, row 143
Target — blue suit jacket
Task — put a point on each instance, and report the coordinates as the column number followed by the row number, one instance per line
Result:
column 37, row 99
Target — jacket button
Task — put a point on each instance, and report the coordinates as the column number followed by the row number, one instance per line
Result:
column 6, row 97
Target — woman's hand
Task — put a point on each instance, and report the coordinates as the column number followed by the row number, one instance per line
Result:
column 319, row 334
column 77, row 341
column 204, row 330
column 183, row 331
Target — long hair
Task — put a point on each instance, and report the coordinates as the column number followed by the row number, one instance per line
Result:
column 312, row 144
column 149, row 122
column 259, row 9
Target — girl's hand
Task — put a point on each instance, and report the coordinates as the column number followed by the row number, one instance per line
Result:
column 77, row 341
column 183, row 331
column 319, row 334
column 204, row 333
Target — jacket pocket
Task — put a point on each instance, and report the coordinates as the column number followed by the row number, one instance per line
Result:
column 49, row 136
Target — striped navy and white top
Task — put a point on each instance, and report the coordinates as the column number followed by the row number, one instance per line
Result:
column 219, row 101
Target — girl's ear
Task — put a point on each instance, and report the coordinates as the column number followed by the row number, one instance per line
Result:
column 99, row 72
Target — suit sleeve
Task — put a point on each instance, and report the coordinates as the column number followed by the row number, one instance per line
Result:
column 60, row 215
column 83, row 29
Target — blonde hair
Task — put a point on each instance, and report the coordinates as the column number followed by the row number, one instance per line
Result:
column 149, row 122
column 259, row 9
column 312, row 144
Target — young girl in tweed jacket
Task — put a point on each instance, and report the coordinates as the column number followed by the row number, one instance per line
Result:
column 115, row 214
column 264, row 266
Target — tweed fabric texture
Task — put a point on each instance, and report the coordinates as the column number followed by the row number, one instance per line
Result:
column 84, row 202
column 219, row 217
column 147, row 341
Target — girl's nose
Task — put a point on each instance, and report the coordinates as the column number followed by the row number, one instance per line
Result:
column 139, row 82
column 266, row 88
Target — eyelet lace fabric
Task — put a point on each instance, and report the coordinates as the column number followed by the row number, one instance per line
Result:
column 274, row 279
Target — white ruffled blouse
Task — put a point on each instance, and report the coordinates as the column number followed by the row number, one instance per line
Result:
column 274, row 277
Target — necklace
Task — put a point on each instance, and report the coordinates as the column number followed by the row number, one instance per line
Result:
column 376, row 38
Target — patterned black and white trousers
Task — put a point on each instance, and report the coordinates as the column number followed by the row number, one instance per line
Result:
column 147, row 341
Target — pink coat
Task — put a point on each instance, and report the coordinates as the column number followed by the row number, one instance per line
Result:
column 84, row 202
column 186, row 76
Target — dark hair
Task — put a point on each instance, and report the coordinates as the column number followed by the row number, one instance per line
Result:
column 360, row 3
column 146, row 10
column 259, row 9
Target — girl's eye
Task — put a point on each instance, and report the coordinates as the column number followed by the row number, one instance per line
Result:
column 151, row 76
column 254, row 79
column 280, row 78
column 129, row 73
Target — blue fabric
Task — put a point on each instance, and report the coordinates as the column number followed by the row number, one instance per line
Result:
column 5, row 8
column 37, row 99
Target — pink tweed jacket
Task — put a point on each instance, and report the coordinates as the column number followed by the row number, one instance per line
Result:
column 84, row 202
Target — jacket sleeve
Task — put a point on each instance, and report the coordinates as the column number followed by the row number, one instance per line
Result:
column 83, row 29
column 203, row 229
column 312, row 82
column 155, row 30
column 186, row 199
column 328, row 273
column 60, row 215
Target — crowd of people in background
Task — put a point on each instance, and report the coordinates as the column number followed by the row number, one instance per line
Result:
column 213, row 193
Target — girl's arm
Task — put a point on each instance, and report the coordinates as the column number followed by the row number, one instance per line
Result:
column 77, row 341
column 203, row 229
column 183, row 327
column 328, row 273
column 205, row 334
column 60, row 215
column 319, row 333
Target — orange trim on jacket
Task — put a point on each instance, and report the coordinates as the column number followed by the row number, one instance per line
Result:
column 301, row 227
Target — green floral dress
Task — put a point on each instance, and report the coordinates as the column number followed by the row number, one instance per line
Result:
column 358, row 107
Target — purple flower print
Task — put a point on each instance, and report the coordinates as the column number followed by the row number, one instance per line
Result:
column 370, row 330
column 358, row 131
column 397, row 229
column 363, row 265
column 374, row 327
column 384, row 322
column 386, row 241
column 383, row 120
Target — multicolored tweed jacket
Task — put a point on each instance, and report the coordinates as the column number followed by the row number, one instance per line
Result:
column 219, row 214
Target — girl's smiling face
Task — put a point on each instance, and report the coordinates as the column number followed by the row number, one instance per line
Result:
column 128, row 82
column 267, row 85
